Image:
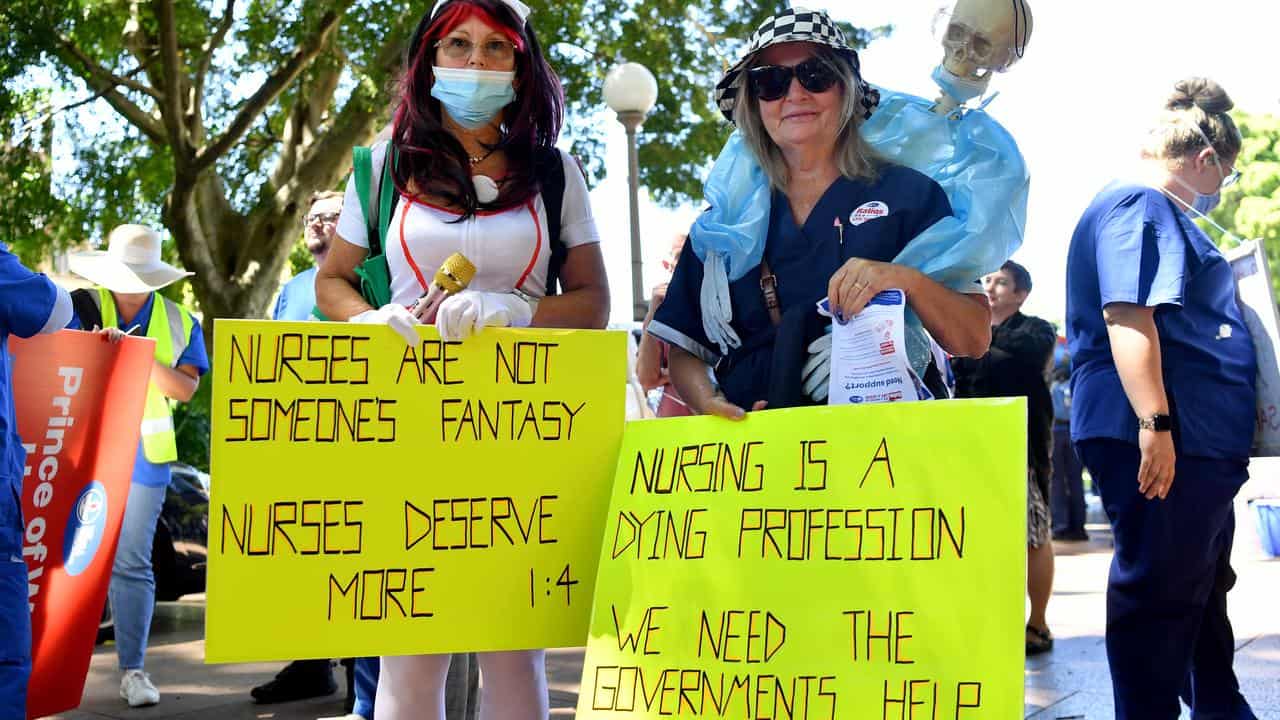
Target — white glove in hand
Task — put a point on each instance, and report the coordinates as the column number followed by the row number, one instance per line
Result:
column 395, row 316
column 816, row 374
column 471, row 311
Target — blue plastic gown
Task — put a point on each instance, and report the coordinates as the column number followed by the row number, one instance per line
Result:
column 729, row 236
column 978, row 165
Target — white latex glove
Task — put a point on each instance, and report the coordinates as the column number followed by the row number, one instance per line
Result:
column 816, row 373
column 395, row 316
column 471, row 311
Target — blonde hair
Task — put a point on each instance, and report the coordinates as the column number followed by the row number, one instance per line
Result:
column 854, row 155
column 1195, row 103
column 323, row 195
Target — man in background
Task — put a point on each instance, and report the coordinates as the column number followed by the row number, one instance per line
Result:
column 313, row 678
column 1021, row 348
column 298, row 296
column 303, row 679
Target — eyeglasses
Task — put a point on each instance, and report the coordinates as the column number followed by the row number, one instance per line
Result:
column 323, row 218
column 1227, row 180
column 772, row 82
column 460, row 48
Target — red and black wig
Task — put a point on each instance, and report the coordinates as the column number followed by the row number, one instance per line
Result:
column 430, row 159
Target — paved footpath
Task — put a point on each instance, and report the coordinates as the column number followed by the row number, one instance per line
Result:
column 1071, row 683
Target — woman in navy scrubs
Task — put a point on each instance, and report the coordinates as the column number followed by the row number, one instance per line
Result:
column 1163, row 409
column 839, row 216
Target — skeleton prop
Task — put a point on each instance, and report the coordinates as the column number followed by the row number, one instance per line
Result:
column 963, row 149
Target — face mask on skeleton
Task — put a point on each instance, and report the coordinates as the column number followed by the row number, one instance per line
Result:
column 960, row 89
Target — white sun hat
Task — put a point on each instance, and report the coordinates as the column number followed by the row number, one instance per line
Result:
column 130, row 264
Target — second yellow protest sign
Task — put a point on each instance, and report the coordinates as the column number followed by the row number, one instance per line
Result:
column 377, row 498
column 845, row 562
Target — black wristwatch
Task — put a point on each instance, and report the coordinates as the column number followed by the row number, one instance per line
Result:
column 1158, row 422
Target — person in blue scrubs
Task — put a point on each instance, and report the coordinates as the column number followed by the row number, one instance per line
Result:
column 1069, row 508
column 1163, row 409
column 839, row 216
column 125, row 302
column 30, row 303
column 1021, row 346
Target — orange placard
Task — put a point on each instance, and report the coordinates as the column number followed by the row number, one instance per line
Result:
column 79, row 403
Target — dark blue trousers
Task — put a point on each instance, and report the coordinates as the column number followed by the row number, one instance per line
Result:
column 1067, row 502
column 1168, row 635
column 15, row 638
column 15, row 616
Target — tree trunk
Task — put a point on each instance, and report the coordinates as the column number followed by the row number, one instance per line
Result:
column 238, row 259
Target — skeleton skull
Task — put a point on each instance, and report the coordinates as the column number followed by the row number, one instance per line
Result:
column 984, row 36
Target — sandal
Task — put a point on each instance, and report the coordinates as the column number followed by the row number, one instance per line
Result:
column 1040, row 642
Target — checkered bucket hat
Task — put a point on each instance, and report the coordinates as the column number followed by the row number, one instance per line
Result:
column 792, row 25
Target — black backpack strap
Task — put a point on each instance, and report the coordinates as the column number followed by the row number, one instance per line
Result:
column 84, row 302
column 551, row 182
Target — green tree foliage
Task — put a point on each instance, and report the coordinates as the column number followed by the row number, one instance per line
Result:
column 1250, row 209
column 218, row 118
column 29, row 215
column 192, row 426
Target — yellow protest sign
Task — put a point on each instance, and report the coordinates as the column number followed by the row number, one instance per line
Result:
column 846, row 562
column 375, row 498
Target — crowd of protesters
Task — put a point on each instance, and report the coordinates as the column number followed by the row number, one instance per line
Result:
column 1153, row 336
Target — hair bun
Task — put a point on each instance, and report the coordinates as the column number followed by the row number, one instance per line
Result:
column 1199, row 92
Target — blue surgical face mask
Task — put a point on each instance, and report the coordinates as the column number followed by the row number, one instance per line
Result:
column 473, row 97
column 1205, row 204
column 959, row 88
column 1202, row 204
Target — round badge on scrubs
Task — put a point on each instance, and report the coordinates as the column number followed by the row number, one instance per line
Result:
column 868, row 211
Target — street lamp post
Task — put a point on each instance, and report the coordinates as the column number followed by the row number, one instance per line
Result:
column 630, row 90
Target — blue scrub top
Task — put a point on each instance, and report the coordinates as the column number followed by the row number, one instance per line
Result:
column 1134, row 245
column 878, row 218
column 145, row 472
column 297, row 298
column 27, row 301
column 1061, row 393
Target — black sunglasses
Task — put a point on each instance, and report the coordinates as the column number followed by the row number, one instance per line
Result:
column 772, row 82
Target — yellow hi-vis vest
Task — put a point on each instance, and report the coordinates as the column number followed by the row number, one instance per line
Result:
column 170, row 327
